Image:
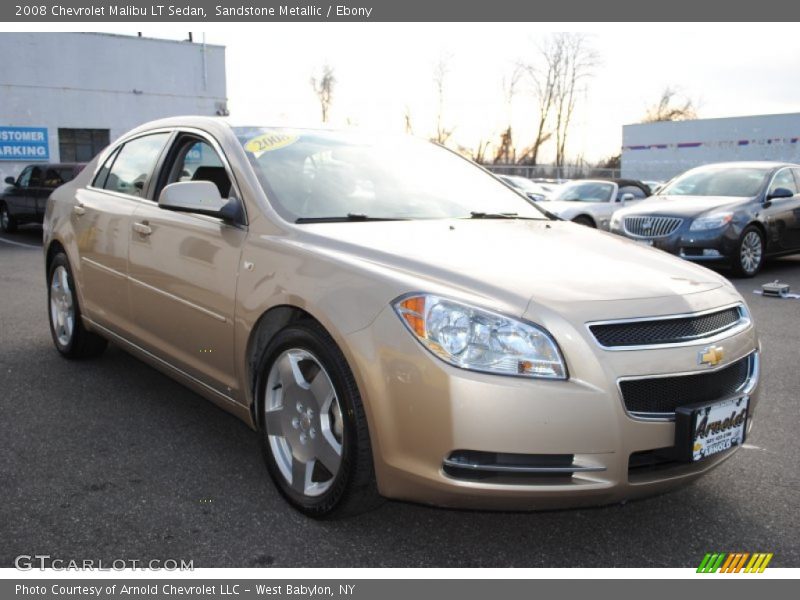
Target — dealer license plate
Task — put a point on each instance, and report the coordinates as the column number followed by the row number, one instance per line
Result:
column 644, row 242
column 712, row 428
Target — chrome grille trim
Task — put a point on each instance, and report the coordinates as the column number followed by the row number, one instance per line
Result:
column 658, row 226
column 746, row 389
column 742, row 324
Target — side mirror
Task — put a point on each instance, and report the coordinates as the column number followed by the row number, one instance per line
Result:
column 11, row 181
column 200, row 197
column 780, row 193
column 626, row 197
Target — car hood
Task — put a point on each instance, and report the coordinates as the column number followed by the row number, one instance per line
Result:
column 682, row 206
column 509, row 264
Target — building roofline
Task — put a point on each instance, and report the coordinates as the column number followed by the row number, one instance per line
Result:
column 791, row 114
column 146, row 38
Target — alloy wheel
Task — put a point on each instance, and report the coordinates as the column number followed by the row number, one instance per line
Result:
column 62, row 310
column 303, row 420
column 751, row 252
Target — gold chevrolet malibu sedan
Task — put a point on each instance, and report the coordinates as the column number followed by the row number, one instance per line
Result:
column 396, row 322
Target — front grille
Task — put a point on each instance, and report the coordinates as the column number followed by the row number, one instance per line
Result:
column 666, row 331
column 660, row 396
column 651, row 227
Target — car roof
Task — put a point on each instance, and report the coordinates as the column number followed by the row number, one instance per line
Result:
column 214, row 123
column 619, row 182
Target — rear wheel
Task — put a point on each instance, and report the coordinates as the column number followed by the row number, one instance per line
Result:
column 749, row 257
column 70, row 337
column 584, row 220
column 7, row 223
column 313, row 426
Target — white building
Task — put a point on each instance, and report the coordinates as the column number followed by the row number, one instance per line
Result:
column 65, row 96
column 659, row 151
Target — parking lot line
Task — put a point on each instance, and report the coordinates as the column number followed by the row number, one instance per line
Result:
column 20, row 244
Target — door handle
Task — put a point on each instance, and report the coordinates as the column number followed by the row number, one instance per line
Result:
column 79, row 210
column 142, row 228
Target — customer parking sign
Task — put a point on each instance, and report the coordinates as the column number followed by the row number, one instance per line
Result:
column 24, row 143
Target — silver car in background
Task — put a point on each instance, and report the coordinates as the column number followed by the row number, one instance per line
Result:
column 531, row 189
column 591, row 202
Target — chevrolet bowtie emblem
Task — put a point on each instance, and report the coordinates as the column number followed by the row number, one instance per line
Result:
column 710, row 356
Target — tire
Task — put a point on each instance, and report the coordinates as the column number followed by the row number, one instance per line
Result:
column 750, row 254
column 584, row 220
column 314, row 439
column 70, row 336
column 7, row 222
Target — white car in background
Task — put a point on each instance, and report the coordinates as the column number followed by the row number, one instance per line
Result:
column 532, row 190
column 591, row 202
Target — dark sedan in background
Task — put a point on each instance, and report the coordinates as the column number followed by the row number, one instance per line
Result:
column 728, row 213
column 25, row 198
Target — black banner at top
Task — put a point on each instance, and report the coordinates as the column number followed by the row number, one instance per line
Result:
column 198, row 11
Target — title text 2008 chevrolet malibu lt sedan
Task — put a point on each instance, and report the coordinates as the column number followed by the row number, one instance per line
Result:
column 395, row 322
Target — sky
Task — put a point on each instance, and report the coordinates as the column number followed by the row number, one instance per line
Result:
column 382, row 69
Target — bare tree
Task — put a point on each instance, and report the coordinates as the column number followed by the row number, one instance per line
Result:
column 440, row 72
column 479, row 153
column 323, row 88
column 564, row 61
column 544, row 75
column 671, row 107
column 407, row 118
column 506, row 153
column 578, row 61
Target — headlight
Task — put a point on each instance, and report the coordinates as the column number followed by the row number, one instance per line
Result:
column 479, row 340
column 616, row 221
column 712, row 221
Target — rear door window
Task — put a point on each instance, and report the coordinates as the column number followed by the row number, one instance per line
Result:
column 36, row 177
column 134, row 165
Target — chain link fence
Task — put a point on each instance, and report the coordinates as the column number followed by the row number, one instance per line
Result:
column 552, row 172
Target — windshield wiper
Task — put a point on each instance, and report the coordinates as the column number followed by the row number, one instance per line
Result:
column 490, row 215
column 510, row 215
column 349, row 217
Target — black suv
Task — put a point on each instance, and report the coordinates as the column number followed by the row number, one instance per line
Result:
column 728, row 213
column 25, row 198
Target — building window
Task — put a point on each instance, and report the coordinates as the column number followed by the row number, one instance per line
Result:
column 81, row 145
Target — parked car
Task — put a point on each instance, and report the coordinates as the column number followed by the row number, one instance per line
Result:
column 532, row 190
column 25, row 198
column 654, row 186
column 395, row 322
column 550, row 186
column 591, row 202
column 727, row 213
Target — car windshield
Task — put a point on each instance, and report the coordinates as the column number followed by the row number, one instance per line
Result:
column 317, row 175
column 586, row 191
column 718, row 181
column 526, row 185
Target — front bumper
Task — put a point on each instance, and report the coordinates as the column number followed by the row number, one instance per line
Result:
column 423, row 413
column 708, row 246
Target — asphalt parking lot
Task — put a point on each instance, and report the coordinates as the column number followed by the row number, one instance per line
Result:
column 109, row 459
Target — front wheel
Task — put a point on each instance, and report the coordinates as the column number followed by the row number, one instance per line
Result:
column 313, row 426
column 749, row 256
column 7, row 223
column 70, row 337
column 584, row 220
